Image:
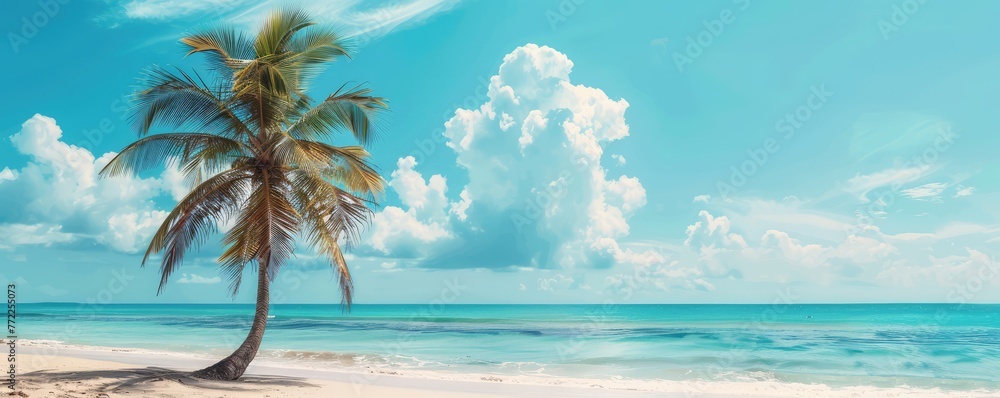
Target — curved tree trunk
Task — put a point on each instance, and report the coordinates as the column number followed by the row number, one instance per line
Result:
column 233, row 366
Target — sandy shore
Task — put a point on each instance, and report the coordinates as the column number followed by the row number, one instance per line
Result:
column 74, row 375
column 72, row 371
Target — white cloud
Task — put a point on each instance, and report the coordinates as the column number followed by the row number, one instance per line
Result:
column 521, row 287
column 928, row 192
column 701, row 198
column 537, row 196
column 712, row 230
column 13, row 235
column 353, row 17
column 756, row 216
column 168, row 9
column 962, row 190
column 661, row 276
column 809, row 255
column 974, row 268
column 619, row 158
column 408, row 232
column 174, row 180
column 61, row 196
column 459, row 208
column 556, row 282
column 427, row 198
column 127, row 231
column 376, row 22
column 7, row 175
column 399, row 232
column 626, row 193
column 197, row 279
column 861, row 184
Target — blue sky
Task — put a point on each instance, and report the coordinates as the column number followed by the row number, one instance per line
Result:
column 556, row 151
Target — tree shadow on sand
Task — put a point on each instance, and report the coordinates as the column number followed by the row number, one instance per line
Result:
column 145, row 378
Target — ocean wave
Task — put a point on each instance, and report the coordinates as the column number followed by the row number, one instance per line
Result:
column 343, row 359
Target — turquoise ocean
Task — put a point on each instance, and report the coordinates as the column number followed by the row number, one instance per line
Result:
column 919, row 345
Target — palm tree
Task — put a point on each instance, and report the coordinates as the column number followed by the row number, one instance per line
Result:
column 253, row 146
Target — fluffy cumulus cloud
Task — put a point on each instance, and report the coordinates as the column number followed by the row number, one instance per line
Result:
column 409, row 232
column 965, row 273
column 556, row 282
column 63, row 200
column 619, row 158
column 538, row 193
column 753, row 241
column 655, row 276
column 717, row 247
column 7, row 174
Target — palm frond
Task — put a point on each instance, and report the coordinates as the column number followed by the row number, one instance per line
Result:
column 268, row 93
column 176, row 100
column 312, row 49
column 353, row 110
column 196, row 148
column 265, row 229
column 225, row 47
column 330, row 215
column 278, row 29
column 195, row 219
column 348, row 165
column 257, row 154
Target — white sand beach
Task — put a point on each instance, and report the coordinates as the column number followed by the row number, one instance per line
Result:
column 53, row 370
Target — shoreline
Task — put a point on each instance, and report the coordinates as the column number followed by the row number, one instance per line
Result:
column 46, row 365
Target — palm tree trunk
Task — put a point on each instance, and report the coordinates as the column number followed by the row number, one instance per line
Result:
column 233, row 366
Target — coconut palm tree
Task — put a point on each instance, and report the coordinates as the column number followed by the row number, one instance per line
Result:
column 256, row 150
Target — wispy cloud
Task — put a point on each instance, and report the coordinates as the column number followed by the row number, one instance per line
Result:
column 198, row 279
column 861, row 184
column 356, row 18
column 963, row 190
column 171, row 9
column 32, row 234
column 927, row 192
